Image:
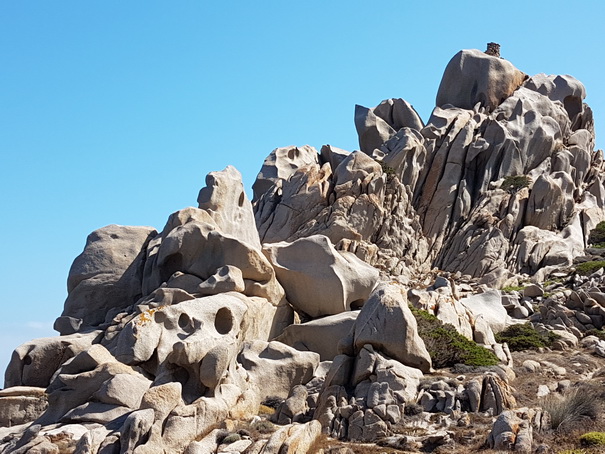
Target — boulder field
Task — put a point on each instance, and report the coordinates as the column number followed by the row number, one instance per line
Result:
column 307, row 319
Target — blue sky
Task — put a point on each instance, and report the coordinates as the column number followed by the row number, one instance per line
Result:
column 114, row 112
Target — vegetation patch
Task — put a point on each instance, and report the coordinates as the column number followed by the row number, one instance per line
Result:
column 593, row 439
column 525, row 337
column 447, row 346
column 595, row 332
column 263, row 427
column 512, row 288
column 587, row 268
column 386, row 169
column 597, row 235
column 515, row 183
column 265, row 410
column 574, row 408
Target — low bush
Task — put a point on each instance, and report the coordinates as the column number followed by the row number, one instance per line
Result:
column 263, row 427
column 587, row 268
column 265, row 410
column 231, row 438
column 521, row 337
column 593, row 439
column 514, row 183
column 447, row 346
column 596, row 237
column 595, row 332
column 386, row 169
column 574, row 407
column 272, row 402
column 512, row 288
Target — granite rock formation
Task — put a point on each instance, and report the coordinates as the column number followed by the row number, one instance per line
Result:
column 306, row 298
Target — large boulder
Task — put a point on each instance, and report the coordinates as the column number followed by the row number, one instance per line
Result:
column 387, row 324
column 320, row 336
column 107, row 274
column 473, row 77
column 21, row 404
column 280, row 165
column 318, row 279
column 488, row 307
column 225, row 200
column 377, row 125
column 274, row 368
column 35, row 362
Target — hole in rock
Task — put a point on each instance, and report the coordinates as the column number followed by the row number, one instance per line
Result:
column 27, row 360
column 159, row 317
column 223, row 321
column 184, row 321
column 357, row 304
column 240, row 202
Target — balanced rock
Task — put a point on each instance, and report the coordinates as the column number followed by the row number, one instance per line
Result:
column 473, row 77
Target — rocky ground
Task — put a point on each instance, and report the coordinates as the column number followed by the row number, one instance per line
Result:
column 440, row 290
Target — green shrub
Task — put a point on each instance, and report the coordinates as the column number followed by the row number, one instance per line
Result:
column 597, row 235
column 514, row 183
column 386, row 169
column 593, row 439
column 512, row 288
column 263, row 427
column 587, row 268
column 521, row 337
column 448, row 347
column 231, row 438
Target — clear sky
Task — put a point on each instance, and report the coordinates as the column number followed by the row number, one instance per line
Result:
column 113, row 112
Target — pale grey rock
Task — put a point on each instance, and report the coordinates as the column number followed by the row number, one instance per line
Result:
column 320, row 336
column 226, row 279
column 225, row 200
column 488, row 306
column 293, row 438
column 565, row 89
column 294, row 408
column 512, row 431
column 84, row 381
column 386, row 323
column 107, row 274
column 274, row 369
column 123, row 389
column 280, row 165
column 377, row 125
column 35, row 362
column 333, row 155
column 180, row 336
column 318, row 279
column 21, row 404
column 473, row 77
column 193, row 243
column 136, row 427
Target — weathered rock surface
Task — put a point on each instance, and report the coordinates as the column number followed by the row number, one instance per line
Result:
column 320, row 336
column 107, row 274
column 318, row 279
column 387, row 323
column 473, row 77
